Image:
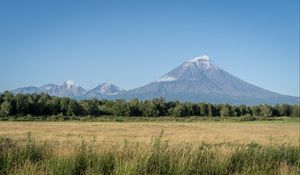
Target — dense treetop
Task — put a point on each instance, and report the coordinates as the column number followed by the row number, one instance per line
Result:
column 46, row 105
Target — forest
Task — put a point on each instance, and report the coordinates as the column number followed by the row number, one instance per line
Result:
column 45, row 105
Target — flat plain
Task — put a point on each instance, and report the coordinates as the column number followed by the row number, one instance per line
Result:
column 262, row 132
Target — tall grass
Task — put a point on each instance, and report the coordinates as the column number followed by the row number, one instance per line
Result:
column 160, row 157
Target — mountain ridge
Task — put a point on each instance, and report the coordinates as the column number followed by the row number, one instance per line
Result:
column 70, row 89
column 195, row 80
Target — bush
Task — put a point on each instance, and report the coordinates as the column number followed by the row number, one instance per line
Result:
column 247, row 117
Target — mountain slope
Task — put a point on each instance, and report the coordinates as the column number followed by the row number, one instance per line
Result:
column 103, row 90
column 199, row 80
column 26, row 90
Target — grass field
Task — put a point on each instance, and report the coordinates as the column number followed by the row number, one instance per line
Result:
column 263, row 132
column 201, row 147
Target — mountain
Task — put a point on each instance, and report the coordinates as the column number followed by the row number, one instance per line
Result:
column 103, row 90
column 199, row 80
column 70, row 89
column 195, row 80
column 26, row 90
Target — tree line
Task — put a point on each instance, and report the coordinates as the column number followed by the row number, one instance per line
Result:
column 46, row 105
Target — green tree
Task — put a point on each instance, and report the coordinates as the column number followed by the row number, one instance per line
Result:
column 256, row 111
column 285, row 110
column 120, row 108
column 296, row 111
column 134, row 108
column 7, row 96
column 42, row 104
column 225, row 110
column 149, row 109
column 170, row 105
column 179, row 111
column 64, row 106
column 73, row 108
column 243, row 110
column 266, row 110
column 236, row 111
column 210, row 110
column 203, row 109
column 22, row 104
column 104, row 107
column 5, row 108
column 53, row 104
column 90, row 107
column 190, row 109
column 216, row 110
column 34, row 108
column 160, row 107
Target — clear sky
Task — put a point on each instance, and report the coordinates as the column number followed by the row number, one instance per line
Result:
column 131, row 43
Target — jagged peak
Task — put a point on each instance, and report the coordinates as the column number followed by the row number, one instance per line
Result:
column 70, row 83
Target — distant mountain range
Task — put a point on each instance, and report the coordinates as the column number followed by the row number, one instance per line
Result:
column 70, row 89
column 196, row 80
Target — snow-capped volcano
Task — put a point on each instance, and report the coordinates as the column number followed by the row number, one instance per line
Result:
column 197, row 79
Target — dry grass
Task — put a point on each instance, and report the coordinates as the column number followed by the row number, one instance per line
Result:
column 209, row 132
column 141, row 148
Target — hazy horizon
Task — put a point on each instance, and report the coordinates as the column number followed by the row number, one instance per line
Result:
column 132, row 43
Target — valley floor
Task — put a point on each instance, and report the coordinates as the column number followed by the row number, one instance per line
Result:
column 263, row 132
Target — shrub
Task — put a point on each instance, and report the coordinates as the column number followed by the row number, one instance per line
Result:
column 247, row 117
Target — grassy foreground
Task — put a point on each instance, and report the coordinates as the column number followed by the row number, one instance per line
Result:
column 158, row 157
column 153, row 147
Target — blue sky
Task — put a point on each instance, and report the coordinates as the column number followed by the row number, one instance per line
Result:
column 131, row 43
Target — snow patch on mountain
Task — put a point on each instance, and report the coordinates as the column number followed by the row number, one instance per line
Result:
column 200, row 59
column 70, row 84
column 201, row 62
column 166, row 78
column 104, row 88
